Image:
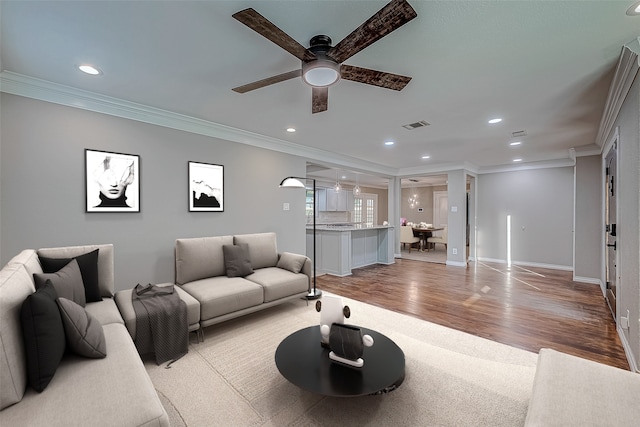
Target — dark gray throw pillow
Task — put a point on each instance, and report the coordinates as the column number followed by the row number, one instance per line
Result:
column 88, row 264
column 67, row 282
column 43, row 336
column 236, row 260
column 84, row 333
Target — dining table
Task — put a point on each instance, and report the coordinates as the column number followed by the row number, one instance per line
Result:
column 424, row 233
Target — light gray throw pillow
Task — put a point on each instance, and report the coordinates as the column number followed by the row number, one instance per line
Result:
column 236, row 260
column 84, row 333
column 291, row 262
column 67, row 282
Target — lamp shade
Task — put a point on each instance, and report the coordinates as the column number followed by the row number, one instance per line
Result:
column 321, row 72
column 292, row 182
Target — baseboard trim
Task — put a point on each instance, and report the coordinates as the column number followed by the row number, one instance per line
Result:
column 457, row 263
column 633, row 365
column 529, row 264
column 590, row 280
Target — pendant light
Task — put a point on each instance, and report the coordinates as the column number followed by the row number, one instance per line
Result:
column 356, row 189
column 337, row 187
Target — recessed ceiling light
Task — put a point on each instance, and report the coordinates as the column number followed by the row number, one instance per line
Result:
column 513, row 144
column 634, row 9
column 426, row 157
column 389, row 143
column 517, row 160
column 496, row 120
column 89, row 69
column 291, row 130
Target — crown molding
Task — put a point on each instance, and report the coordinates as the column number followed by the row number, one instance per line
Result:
column 436, row 169
column 626, row 70
column 559, row 163
column 43, row 90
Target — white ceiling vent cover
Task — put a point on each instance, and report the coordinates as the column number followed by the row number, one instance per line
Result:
column 412, row 126
column 519, row 133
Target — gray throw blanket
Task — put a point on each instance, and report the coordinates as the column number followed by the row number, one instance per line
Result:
column 161, row 322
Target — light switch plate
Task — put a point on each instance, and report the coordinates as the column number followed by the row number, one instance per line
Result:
column 285, row 206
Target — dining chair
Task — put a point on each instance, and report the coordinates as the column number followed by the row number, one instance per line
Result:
column 407, row 237
column 442, row 238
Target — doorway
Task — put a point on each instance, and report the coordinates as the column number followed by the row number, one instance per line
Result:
column 440, row 208
column 610, row 207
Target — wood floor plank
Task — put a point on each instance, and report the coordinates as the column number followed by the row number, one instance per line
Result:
column 529, row 308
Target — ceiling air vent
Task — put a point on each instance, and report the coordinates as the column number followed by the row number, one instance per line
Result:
column 519, row 133
column 412, row 126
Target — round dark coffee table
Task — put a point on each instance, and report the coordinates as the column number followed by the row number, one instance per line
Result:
column 304, row 362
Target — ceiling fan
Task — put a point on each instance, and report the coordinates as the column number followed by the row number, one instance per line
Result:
column 322, row 64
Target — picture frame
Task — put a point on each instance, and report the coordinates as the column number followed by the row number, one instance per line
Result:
column 206, row 187
column 112, row 181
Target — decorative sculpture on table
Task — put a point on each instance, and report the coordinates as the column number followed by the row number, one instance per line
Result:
column 346, row 342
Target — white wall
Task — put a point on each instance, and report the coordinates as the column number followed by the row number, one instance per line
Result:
column 540, row 202
column 589, row 224
column 42, row 187
column 628, row 229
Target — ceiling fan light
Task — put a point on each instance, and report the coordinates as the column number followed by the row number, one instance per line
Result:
column 634, row 9
column 320, row 73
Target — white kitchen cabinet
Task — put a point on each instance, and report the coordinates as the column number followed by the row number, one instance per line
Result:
column 331, row 200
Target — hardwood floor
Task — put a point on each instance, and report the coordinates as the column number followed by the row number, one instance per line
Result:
column 528, row 308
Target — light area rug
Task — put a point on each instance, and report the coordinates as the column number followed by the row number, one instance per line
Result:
column 437, row 255
column 452, row 378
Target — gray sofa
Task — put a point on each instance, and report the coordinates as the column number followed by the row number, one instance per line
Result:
column 115, row 390
column 571, row 391
column 202, row 272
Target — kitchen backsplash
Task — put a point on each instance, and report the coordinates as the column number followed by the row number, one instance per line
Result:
column 334, row 216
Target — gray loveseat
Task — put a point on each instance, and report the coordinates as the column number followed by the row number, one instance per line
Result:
column 109, row 391
column 202, row 272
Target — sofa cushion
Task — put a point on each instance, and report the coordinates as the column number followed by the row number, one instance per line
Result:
column 105, row 311
column 291, row 262
column 83, row 332
column 43, row 334
column 88, row 264
column 114, row 391
column 279, row 283
column 67, row 282
column 222, row 295
column 200, row 258
column 28, row 258
column 263, row 250
column 105, row 262
column 16, row 284
column 236, row 260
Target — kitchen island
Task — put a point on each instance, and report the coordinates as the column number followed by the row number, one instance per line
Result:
column 343, row 247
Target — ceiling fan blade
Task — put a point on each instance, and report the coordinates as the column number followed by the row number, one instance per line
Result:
column 268, row 81
column 266, row 28
column 374, row 77
column 389, row 18
column 320, row 99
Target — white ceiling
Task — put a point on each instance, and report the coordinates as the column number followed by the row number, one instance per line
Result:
column 543, row 66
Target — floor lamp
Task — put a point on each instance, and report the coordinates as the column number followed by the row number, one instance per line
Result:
column 297, row 182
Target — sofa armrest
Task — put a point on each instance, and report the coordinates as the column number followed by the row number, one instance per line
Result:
column 307, row 269
column 571, row 391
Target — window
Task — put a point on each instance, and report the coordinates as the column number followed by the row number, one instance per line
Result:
column 308, row 206
column 365, row 209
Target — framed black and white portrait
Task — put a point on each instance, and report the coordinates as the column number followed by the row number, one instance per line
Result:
column 206, row 187
column 112, row 182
